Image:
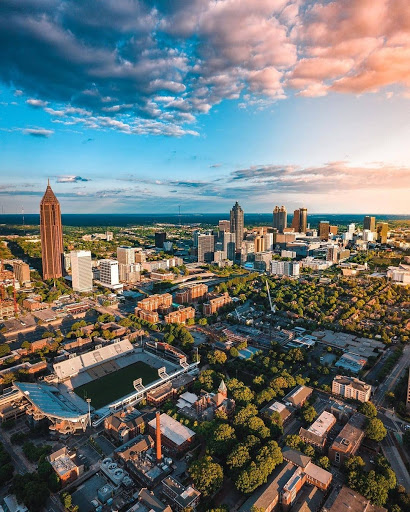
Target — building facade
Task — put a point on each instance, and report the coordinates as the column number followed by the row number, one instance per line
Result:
column 237, row 224
column 351, row 387
column 51, row 233
column 81, row 271
column 280, row 218
column 109, row 274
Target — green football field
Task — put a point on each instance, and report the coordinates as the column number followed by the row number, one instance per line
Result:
column 111, row 387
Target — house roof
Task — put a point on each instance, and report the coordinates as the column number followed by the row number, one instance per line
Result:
column 296, row 457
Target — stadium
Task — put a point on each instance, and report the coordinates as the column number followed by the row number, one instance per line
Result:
column 90, row 386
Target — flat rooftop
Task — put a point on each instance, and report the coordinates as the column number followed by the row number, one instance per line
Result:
column 323, row 423
column 63, row 465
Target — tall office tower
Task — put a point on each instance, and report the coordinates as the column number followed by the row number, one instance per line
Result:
column 160, row 238
column 81, row 271
column 51, row 236
column 237, row 224
column 109, row 275
column 324, row 230
column 268, row 240
column 303, row 220
column 125, row 255
column 368, row 236
column 206, row 248
column 228, row 244
column 382, row 230
column 224, row 225
column 369, row 223
column 195, row 236
column 333, row 230
column 280, row 218
column 299, row 222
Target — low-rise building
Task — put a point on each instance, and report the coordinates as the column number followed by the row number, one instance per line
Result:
column 351, row 387
column 180, row 316
column 175, row 436
column 148, row 316
column 153, row 302
column 315, row 475
column 316, row 434
column 65, row 465
column 298, row 396
column 191, row 293
column 351, row 501
column 215, row 303
column 277, row 407
column 351, row 362
column 123, row 426
column 180, row 497
column 349, row 439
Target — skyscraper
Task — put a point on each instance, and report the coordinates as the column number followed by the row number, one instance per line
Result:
column 206, row 248
column 109, row 274
column 81, row 271
column 299, row 222
column 237, row 224
column 160, row 238
column 324, row 229
column 224, row 225
column 51, row 236
column 369, row 223
column 280, row 221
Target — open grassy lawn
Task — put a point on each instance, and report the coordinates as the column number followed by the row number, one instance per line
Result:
column 106, row 389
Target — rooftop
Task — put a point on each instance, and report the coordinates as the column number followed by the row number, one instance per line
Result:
column 351, row 501
column 350, row 433
column 296, row 457
column 173, row 429
column 323, row 424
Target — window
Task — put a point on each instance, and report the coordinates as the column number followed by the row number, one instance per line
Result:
column 337, row 457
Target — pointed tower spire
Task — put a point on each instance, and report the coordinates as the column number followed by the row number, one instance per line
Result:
column 223, row 389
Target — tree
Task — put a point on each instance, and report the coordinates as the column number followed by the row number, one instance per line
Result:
column 238, row 457
column 223, row 438
column 217, row 357
column 4, row 350
column 234, row 352
column 293, row 441
column 207, row 475
column 309, row 450
column 309, row 413
column 368, row 409
column 375, row 429
column 324, row 462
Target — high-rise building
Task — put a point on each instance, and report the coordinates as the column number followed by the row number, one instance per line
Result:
column 81, row 271
column 224, row 225
column 284, row 268
column 109, row 275
column 369, row 223
column 237, row 225
column 280, row 218
column 324, row 230
column 51, row 236
column 125, row 255
column 21, row 272
column 259, row 244
column 299, row 222
column 228, row 244
column 160, row 238
column 382, row 231
column 333, row 230
column 206, row 248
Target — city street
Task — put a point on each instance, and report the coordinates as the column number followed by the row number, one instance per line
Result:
column 393, row 378
column 393, row 456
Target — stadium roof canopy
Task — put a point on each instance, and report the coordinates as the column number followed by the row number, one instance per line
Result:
column 50, row 401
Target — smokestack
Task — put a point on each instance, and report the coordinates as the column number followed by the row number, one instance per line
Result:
column 158, row 436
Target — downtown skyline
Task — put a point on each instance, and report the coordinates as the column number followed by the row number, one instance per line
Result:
column 148, row 108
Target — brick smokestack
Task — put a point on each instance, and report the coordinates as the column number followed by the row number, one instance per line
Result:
column 158, row 436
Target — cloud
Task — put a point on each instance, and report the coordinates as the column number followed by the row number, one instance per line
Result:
column 36, row 103
column 38, row 132
column 152, row 67
column 215, row 166
column 71, row 179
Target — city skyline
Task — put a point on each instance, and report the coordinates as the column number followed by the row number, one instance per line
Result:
column 154, row 105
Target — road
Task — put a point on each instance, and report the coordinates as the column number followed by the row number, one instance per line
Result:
column 393, row 456
column 394, row 376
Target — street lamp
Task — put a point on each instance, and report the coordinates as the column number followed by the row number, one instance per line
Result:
column 88, row 400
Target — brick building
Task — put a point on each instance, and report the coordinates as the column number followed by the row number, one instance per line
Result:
column 180, row 316
column 215, row 303
column 349, row 440
column 191, row 293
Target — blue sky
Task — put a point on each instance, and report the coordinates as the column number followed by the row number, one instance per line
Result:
column 146, row 108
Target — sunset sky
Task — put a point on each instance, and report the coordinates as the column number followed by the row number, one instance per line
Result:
column 141, row 106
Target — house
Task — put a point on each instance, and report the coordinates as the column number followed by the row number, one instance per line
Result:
column 349, row 439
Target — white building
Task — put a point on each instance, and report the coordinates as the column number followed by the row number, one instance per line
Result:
column 351, row 387
column 125, row 255
column 81, row 271
column 109, row 275
column 284, row 268
column 368, row 236
column 400, row 274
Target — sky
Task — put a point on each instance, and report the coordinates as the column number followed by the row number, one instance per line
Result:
column 147, row 105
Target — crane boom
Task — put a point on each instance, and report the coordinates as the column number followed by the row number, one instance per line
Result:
column 272, row 307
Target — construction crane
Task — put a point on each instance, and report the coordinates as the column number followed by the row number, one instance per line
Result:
column 272, row 306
